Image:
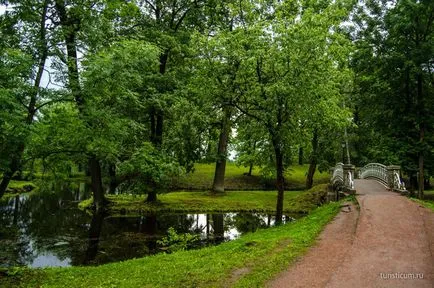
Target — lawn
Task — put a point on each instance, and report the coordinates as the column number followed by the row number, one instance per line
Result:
column 17, row 187
column 247, row 262
column 235, row 178
column 231, row 201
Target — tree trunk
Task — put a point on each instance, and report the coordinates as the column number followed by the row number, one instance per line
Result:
column 7, row 176
column 156, row 115
column 17, row 155
column 251, row 163
column 94, row 235
column 219, row 231
column 95, row 174
column 421, row 180
column 220, row 166
column 71, row 25
column 421, row 111
column 280, row 183
column 300, row 156
column 156, row 122
column 152, row 196
column 250, row 170
column 113, row 181
column 313, row 161
column 310, row 173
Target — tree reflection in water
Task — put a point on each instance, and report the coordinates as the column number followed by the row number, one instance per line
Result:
column 47, row 229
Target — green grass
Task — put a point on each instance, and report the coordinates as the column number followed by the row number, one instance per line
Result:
column 262, row 255
column 17, row 187
column 248, row 201
column 296, row 176
column 428, row 202
column 203, row 175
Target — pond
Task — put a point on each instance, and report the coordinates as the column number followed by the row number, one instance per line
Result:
column 47, row 229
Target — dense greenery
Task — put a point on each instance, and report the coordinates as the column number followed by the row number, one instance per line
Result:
column 117, row 89
column 393, row 99
column 239, row 263
column 144, row 97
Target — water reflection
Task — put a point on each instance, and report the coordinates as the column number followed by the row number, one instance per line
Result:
column 47, row 229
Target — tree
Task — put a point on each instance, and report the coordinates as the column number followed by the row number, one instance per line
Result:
column 394, row 77
column 26, row 64
column 283, row 85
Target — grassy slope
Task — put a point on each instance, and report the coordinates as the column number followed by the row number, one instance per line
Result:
column 428, row 202
column 263, row 254
column 202, row 178
column 254, row 201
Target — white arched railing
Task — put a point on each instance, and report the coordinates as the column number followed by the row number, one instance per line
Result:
column 338, row 175
column 375, row 171
column 387, row 175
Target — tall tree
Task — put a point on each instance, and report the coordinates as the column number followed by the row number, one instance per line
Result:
column 394, row 68
column 26, row 20
column 284, row 84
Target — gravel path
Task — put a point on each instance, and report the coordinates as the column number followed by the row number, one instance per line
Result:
column 388, row 244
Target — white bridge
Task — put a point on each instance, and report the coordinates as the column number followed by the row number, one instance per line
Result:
column 344, row 174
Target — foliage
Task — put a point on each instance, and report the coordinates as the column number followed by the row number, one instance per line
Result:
column 393, row 96
column 150, row 169
column 174, row 242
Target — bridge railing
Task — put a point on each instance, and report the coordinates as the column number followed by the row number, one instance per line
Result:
column 387, row 175
column 374, row 171
column 343, row 177
column 338, row 175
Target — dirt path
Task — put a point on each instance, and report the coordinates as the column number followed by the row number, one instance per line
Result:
column 392, row 243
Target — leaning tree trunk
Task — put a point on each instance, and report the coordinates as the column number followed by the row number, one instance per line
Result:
column 7, row 176
column 71, row 25
column 313, row 161
column 220, row 167
column 16, row 158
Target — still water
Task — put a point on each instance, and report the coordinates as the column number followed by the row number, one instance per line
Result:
column 47, row 229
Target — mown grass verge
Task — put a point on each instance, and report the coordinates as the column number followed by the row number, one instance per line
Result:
column 232, row 201
column 428, row 202
column 247, row 262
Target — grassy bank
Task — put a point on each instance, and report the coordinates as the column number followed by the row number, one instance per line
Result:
column 235, row 178
column 428, row 202
column 247, row 201
column 247, row 262
column 18, row 187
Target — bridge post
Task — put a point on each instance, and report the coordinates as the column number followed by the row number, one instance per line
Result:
column 349, row 177
column 390, row 176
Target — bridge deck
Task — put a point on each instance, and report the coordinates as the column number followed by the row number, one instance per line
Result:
column 393, row 235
